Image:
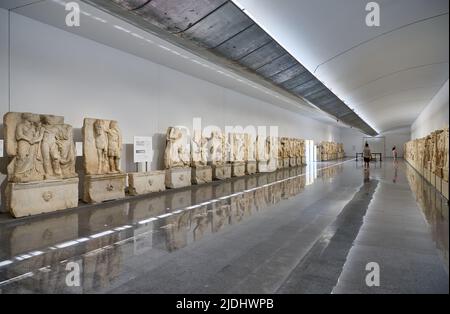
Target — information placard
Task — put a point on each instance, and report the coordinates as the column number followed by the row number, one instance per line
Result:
column 79, row 148
column 1, row 148
column 143, row 151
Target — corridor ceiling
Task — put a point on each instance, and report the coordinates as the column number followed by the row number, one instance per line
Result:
column 221, row 27
column 386, row 73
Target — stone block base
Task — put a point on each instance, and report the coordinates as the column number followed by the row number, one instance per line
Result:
column 286, row 162
column 26, row 199
column 221, row 172
column 238, row 169
column 146, row 182
column 251, row 167
column 201, row 175
column 293, row 162
column 178, row 177
column 264, row 166
column 280, row 164
column 104, row 187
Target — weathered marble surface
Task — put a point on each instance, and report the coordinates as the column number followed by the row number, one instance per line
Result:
column 267, row 153
column 178, row 177
column 102, row 146
column 250, row 147
column 251, row 167
column 199, row 149
column 25, row 199
column 221, row 172
column 216, row 148
column 331, row 150
column 239, row 148
column 41, row 173
column 178, row 148
column 430, row 157
column 101, row 188
column 201, row 174
column 238, row 169
column 41, row 147
column 146, row 182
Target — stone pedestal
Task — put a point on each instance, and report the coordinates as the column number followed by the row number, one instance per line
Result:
column 201, row 174
column 286, row 162
column 221, row 172
column 104, row 187
column 264, row 166
column 178, row 177
column 251, row 167
column 25, row 199
column 238, row 169
column 293, row 162
column 280, row 164
column 146, row 182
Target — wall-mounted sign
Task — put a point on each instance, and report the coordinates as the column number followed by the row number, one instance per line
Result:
column 143, row 151
column 79, row 148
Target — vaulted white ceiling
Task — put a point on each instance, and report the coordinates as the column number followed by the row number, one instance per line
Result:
column 388, row 74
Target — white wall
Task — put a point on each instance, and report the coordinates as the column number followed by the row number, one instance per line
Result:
column 354, row 140
column 53, row 71
column 434, row 116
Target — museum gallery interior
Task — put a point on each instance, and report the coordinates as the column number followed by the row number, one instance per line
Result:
column 224, row 147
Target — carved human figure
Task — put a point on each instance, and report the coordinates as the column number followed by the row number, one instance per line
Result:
column 114, row 146
column 176, row 153
column 51, row 144
column 216, row 148
column 66, row 145
column 101, row 144
column 250, row 146
column 199, row 152
column 238, row 147
column 27, row 164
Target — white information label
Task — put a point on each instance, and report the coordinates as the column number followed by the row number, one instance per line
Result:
column 1, row 148
column 143, row 150
column 79, row 148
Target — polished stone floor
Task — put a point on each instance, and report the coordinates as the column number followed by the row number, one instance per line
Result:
column 301, row 230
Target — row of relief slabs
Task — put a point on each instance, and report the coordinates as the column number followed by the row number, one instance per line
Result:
column 42, row 152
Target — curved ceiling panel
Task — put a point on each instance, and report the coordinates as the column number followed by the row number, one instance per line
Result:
column 409, row 51
column 221, row 27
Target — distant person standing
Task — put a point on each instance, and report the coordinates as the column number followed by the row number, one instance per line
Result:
column 394, row 153
column 367, row 155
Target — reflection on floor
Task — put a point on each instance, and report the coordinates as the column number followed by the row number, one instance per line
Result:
column 300, row 230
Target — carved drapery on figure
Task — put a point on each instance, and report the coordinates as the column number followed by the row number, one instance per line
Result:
column 250, row 147
column 216, row 149
column 178, row 149
column 42, row 147
column 102, row 146
column 238, row 146
column 199, row 149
